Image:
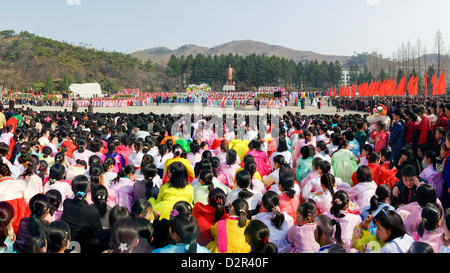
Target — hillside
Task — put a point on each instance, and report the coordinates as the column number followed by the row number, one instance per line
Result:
column 161, row 55
column 26, row 60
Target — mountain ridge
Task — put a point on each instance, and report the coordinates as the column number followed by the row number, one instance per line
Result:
column 162, row 54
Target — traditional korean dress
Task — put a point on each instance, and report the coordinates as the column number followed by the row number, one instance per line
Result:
column 344, row 164
column 228, row 237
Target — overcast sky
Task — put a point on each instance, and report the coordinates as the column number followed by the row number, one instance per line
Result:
column 335, row 27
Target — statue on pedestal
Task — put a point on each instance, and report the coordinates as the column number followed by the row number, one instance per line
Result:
column 229, row 75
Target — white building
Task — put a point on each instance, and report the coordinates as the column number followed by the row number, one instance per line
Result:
column 86, row 90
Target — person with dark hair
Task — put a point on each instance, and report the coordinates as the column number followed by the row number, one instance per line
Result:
column 282, row 149
column 301, row 235
column 148, row 186
column 340, row 213
column 429, row 229
column 391, row 232
column 124, row 236
column 397, row 133
column 289, row 199
column 179, row 155
column 445, row 237
column 378, row 201
column 257, row 235
column 58, row 237
column 304, row 163
column 243, row 190
column 228, row 234
column 404, row 191
column 7, row 235
column 210, row 213
column 33, row 224
column 430, row 175
column 327, row 233
column 365, row 188
column 81, row 152
column 176, row 189
column 184, row 231
column 123, row 185
column 83, row 219
column 276, row 220
column 344, row 163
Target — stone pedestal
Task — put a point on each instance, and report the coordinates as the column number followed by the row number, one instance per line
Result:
column 228, row 88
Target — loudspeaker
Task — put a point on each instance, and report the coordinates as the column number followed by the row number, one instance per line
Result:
column 277, row 94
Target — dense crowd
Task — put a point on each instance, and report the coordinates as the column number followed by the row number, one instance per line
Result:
column 291, row 183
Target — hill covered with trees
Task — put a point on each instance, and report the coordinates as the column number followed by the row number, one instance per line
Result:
column 30, row 62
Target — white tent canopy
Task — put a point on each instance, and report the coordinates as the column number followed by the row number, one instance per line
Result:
column 86, row 90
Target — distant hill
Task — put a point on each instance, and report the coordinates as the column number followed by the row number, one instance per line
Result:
column 26, row 60
column 161, row 55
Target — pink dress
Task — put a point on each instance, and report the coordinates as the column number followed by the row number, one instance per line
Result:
column 124, row 189
column 229, row 171
column 302, row 239
column 411, row 215
column 361, row 194
column 348, row 223
column 433, row 238
column 434, row 178
column 262, row 161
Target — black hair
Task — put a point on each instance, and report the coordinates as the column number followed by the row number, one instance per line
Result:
column 363, row 174
column 243, row 181
column 149, row 171
column 124, row 171
column 331, row 229
column 80, row 186
column 57, row 172
column 100, row 196
column 117, row 212
column 328, row 181
column 58, row 235
column 307, row 209
column 340, row 200
column 240, row 207
column 381, row 193
column 420, row 247
column 271, row 201
column 140, row 207
column 431, row 215
column 257, row 235
column 184, row 225
column 108, row 162
column 179, row 176
column 55, row 198
column 124, row 235
column 425, row 194
column 391, row 221
column 287, row 182
column 216, row 198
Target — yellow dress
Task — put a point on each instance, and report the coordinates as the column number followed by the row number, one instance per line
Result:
column 168, row 196
column 185, row 162
column 228, row 237
column 240, row 146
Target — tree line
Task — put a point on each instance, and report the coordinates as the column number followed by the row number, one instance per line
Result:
column 252, row 71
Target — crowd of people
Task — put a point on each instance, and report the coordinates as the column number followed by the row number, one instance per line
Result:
column 290, row 183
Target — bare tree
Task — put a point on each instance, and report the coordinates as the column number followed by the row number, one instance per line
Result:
column 439, row 51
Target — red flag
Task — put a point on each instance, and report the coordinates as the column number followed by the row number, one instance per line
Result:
column 347, row 91
column 425, row 82
column 416, row 86
column 393, row 87
column 401, row 87
column 440, row 85
column 410, row 86
column 433, row 82
column 331, row 91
